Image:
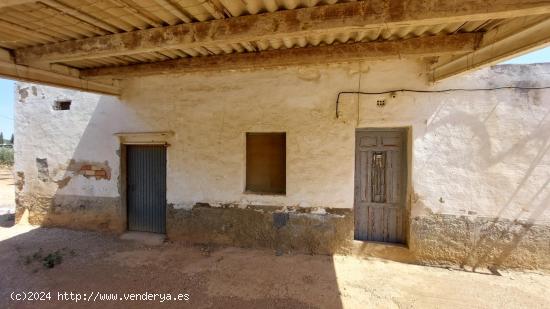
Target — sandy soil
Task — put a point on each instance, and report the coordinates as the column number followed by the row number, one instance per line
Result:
column 241, row 278
column 7, row 196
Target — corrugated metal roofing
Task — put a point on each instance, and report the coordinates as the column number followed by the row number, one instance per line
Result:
column 48, row 21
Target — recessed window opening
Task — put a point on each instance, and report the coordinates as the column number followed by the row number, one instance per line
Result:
column 266, row 163
column 62, row 105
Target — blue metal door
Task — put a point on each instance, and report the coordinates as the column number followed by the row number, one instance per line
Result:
column 146, row 188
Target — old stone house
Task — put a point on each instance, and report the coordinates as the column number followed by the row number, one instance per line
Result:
column 321, row 128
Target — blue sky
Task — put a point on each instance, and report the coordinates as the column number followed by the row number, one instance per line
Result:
column 7, row 91
column 6, row 107
column 538, row 56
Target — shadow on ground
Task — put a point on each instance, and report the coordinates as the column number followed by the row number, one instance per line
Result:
column 7, row 220
column 221, row 277
column 213, row 277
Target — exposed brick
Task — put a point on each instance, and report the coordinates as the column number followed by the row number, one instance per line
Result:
column 88, row 169
column 89, row 173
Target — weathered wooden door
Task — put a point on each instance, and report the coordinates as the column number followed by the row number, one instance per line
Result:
column 380, row 177
column 146, row 191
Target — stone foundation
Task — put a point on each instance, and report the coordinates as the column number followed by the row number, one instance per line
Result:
column 267, row 227
column 76, row 212
column 433, row 239
column 463, row 240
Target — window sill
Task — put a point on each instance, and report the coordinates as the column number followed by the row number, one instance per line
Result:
column 263, row 193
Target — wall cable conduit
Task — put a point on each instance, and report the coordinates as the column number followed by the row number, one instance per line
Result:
column 432, row 91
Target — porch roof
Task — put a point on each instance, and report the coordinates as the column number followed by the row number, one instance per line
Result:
column 90, row 44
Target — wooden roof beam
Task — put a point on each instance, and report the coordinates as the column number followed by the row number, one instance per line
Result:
column 350, row 16
column 497, row 45
column 55, row 75
column 415, row 47
column 8, row 3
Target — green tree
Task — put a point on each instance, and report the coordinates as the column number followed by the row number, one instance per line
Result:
column 1, row 137
column 11, row 139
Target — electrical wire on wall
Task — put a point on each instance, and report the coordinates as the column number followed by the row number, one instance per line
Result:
column 430, row 91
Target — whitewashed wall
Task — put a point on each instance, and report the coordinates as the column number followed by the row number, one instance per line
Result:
column 60, row 136
column 473, row 153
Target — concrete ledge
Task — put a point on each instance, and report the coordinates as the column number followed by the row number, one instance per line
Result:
column 150, row 239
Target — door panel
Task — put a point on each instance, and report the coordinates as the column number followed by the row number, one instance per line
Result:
column 380, row 177
column 146, row 191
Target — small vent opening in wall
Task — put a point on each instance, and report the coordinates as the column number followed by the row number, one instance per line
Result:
column 62, row 105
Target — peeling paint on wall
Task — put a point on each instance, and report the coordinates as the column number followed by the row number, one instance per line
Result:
column 42, row 168
column 63, row 182
column 91, row 170
column 23, row 94
column 19, row 181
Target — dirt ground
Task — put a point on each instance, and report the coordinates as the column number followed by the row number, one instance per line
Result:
column 93, row 266
column 240, row 278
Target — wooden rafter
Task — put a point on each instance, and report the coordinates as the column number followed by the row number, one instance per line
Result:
column 57, row 76
column 7, row 3
column 337, row 18
column 416, row 47
column 497, row 45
